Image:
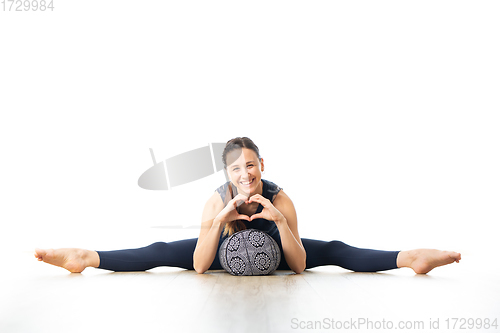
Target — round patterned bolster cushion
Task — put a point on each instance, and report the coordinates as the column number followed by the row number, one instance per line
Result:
column 249, row 252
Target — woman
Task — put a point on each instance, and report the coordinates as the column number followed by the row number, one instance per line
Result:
column 247, row 201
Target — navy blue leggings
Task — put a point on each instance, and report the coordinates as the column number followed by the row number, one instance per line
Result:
column 180, row 254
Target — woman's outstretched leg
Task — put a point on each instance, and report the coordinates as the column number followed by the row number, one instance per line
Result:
column 321, row 253
column 173, row 254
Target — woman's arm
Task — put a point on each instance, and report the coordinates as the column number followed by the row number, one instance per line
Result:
column 294, row 251
column 206, row 246
column 214, row 218
column 282, row 212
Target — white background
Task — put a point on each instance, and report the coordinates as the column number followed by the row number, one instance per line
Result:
column 379, row 119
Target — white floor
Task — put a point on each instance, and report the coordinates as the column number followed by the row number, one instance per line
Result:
column 37, row 297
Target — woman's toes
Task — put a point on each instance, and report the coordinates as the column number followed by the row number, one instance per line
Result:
column 457, row 256
column 39, row 253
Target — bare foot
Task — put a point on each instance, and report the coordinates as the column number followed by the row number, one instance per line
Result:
column 74, row 260
column 423, row 261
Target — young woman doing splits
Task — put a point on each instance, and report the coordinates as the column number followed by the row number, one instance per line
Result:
column 247, row 201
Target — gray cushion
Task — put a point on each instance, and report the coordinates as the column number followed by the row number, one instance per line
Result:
column 249, row 252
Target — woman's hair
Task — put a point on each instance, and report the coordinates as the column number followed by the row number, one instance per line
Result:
column 233, row 144
column 238, row 143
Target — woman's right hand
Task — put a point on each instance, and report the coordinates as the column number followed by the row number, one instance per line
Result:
column 230, row 213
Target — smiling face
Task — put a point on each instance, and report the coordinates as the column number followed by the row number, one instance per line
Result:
column 244, row 170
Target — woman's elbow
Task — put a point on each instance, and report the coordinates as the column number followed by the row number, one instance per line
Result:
column 299, row 269
column 199, row 269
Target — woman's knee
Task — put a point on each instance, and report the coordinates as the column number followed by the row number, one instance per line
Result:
column 158, row 247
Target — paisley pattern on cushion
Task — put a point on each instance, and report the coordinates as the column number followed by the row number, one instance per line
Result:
column 249, row 252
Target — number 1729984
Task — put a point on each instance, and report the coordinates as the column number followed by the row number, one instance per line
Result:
column 27, row 5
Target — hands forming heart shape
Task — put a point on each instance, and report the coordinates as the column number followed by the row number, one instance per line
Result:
column 230, row 213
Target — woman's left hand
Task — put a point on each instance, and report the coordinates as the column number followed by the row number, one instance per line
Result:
column 269, row 212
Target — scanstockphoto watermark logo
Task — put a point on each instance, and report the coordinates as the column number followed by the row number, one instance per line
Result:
column 354, row 324
column 370, row 324
column 183, row 168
